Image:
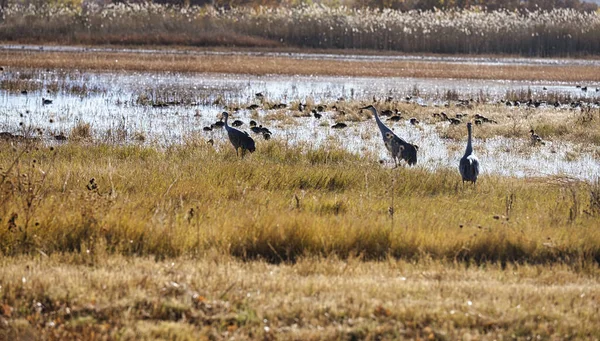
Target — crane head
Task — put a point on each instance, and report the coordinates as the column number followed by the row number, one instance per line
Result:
column 368, row 107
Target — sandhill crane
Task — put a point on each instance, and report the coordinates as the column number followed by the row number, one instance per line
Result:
column 399, row 148
column 469, row 164
column 239, row 139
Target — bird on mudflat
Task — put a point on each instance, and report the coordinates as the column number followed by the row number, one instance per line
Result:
column 239, row 139
column 535, row 138
column 399, row 148
column 469, row 164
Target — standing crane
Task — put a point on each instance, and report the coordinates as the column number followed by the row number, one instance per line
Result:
column 399, row 148
column 239, row 139
column 469, row 164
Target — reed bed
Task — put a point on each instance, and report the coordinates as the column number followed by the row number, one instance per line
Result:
column 280, row 204
column 560, row 32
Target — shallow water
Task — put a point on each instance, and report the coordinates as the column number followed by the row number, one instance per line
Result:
column 113, row 105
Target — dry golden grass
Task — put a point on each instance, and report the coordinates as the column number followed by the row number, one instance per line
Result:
column 216, row 297
column 510, row 258
column 261, row 65
column 282, row 203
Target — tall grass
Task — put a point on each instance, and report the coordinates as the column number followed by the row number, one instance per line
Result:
column 282, row 203
column 542, row 33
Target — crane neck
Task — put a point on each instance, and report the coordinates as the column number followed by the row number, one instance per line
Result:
column 379, row 123
column 376, row 116
column 469, row 149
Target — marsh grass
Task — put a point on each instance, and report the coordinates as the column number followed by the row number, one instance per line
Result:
column 217, row 297
column 19, row 85
column 277, row 65
column 286, row 202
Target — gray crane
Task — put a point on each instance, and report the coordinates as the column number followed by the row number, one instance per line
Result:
column 239, row 139
column 399, row 148
column 469, row 164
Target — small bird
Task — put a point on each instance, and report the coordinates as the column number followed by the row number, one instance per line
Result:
column 395, row 118
column 535, row 138
column 253, row 107
column 469, row 164
column 265, row 130
column 256, row 129
column 454, row 121
column 414, row 121
column 46, row 101
column 239, row 139
column 218, row 124
column 316, row 114
column 237, row 123
column 339, row 125
column 266, row 136
column 207, row 128
column 279, row 106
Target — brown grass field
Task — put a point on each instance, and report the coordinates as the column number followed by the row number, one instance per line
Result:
column 189, row 242
column 261, row 65
column 217, row 297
